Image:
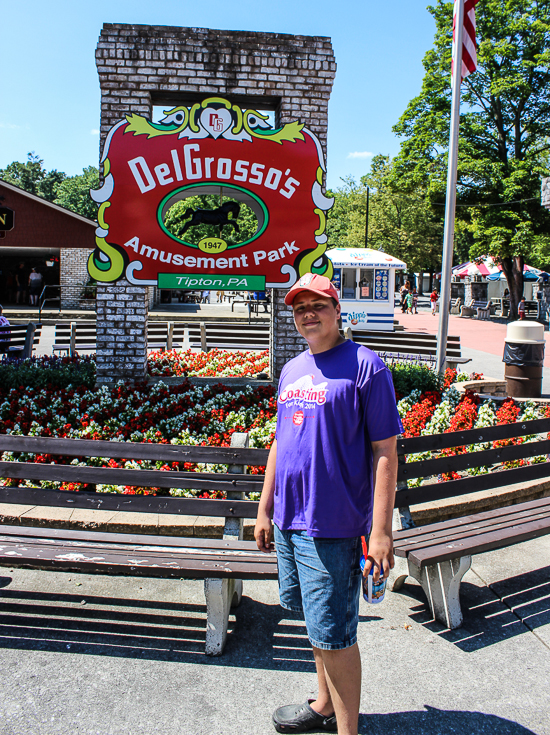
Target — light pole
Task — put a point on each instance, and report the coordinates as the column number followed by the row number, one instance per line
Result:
column 367, row 220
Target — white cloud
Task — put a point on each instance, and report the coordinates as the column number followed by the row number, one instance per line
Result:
column 94, row 132
column 9, row 126
column 360, row 154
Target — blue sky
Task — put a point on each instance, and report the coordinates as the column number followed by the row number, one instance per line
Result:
column 50, row 90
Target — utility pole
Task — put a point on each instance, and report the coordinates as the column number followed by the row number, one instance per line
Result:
column 450, row 200
column 367, row 221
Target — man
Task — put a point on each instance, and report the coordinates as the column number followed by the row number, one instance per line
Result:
column 20, row 283
column 330, row 479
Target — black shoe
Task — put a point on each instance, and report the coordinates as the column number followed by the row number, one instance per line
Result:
column 301, row 718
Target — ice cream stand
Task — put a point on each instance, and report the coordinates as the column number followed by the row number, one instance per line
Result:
column 365, row 280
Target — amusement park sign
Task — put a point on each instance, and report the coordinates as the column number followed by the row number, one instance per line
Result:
column 219, row 162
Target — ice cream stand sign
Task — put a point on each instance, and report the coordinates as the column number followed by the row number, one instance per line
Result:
column 365, row 281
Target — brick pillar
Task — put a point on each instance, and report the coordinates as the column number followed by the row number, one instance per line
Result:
column 121, row 332
column 285, row 342
column 467, row 289
column 139, row 66
column 73, row 275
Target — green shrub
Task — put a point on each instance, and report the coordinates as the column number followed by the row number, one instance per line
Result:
column 41, row 372
column 413, row 376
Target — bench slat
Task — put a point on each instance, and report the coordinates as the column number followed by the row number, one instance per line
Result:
column 132, row 503
column 158, row 549
column 477, row 531
column 33, row 532
column 93, row 559
column 410, row 534
column 132, row 450
column 464, row 486
column 477, row 545
column 483, row 458
column 131, row 478
column 415, row 444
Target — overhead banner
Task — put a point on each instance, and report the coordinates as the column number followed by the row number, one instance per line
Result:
column 211, row 197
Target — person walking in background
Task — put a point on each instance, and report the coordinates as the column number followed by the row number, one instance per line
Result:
column 20, row 284
column 409, row 303
column 404, row 292
column 35, row 286
column 521, row 308
column 415, row 300
column 433, row 300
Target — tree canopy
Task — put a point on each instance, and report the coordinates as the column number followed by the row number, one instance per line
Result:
column 74, row 192
column 402, row 221
column 33, row 177
column 504, row 144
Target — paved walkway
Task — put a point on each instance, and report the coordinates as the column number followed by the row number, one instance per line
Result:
column 481, row 341
column 87, row 655
column 487, row 336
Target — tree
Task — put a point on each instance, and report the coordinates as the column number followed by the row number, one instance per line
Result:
column 74, row 192
column 504, row 142
column 33, row 177
column 346, row 219
column 402, row 221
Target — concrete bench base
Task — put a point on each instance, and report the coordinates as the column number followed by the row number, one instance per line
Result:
column 441, row 585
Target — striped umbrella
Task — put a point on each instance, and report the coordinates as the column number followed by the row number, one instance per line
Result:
column 529, row 274
column 481, row 267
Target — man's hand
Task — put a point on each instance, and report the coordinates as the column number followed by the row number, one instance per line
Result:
column 263, row 529
column 380, row 556
column 380, row 550
column 263, row 533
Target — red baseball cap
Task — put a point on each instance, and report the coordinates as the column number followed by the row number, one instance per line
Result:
column 320, row 285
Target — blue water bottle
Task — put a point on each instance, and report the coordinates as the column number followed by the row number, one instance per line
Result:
column 373, row 592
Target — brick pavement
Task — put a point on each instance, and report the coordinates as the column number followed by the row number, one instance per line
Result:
column 486, row 336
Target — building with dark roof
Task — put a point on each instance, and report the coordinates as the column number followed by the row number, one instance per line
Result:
column 45, row 236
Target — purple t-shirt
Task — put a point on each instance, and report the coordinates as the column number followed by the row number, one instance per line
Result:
column 331, row 406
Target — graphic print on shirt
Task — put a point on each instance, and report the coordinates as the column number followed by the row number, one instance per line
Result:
column 303, row 391
column 303, row 394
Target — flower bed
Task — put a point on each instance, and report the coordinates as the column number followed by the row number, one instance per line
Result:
column 182, row 414
column 187, row 414
column 40, row 372
column 430, row 413
column 215, row 364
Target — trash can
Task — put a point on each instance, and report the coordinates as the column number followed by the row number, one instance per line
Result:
column 523, row 359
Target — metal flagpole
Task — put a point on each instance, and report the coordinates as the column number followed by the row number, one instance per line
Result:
column 450, row 199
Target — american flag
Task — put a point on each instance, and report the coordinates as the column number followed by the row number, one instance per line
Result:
column 469, row 54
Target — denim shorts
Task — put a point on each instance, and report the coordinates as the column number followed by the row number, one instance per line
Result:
column 321, row 578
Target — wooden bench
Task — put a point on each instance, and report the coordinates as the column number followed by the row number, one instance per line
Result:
column 484, row 311
column 455, row 305
column 439, row 554
column 19, row 340
column 481, row 309
column 223, row 563
column 74, row 337
column 81, row 336
column 404, row 346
